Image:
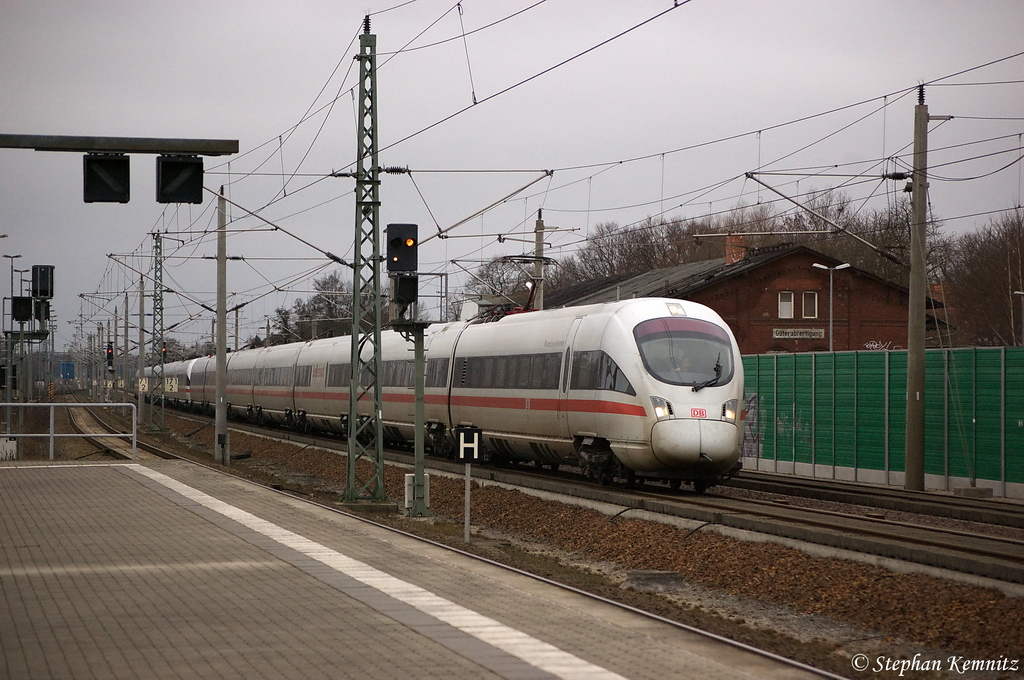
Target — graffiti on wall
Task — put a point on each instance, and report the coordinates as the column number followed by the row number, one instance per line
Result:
column 761, row 423
column 751, row 447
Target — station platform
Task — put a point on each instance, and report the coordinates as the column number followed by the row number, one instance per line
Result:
column 170, row 570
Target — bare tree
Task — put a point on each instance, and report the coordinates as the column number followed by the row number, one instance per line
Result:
column 328, row 311
column 613, row 251
column 982, row 271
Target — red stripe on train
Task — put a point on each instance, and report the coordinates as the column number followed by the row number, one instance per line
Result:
column 510, row 403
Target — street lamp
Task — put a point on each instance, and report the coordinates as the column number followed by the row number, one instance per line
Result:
column 1021, row 294
column 831, row 272
column 12, row 258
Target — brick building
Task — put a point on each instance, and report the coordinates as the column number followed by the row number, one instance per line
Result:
column 774, row 299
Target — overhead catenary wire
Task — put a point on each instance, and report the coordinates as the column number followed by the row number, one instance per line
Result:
column 539, row 74
column 605, row 169
column 329, row 255
column 884, row 102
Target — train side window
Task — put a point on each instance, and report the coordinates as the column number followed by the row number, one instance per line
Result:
column 403, row 376
column 486, row 376
column 471, row 371
column 338, row 375
column 538, row 375
column 544, row 371
column 437, row 372
column 524, row 368
column 584, row 370
column 501, row 375
column 303, row 376
column 595, row 370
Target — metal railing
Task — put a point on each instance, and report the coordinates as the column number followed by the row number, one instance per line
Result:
column 52, row 435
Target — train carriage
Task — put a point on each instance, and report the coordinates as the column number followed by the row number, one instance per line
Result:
column 649, row 387
column 202, row 384
column 241, row 377
column 323, row 402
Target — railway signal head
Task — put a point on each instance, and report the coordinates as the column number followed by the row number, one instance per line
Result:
column 402, row 247
column 107, row 178
column 179, row 179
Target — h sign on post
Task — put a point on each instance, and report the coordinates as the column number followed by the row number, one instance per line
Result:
column 468, row 441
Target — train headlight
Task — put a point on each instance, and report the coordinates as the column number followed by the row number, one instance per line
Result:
column 662, row 408
column 729, row 411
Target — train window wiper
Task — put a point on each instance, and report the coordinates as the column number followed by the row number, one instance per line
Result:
column 713, row 381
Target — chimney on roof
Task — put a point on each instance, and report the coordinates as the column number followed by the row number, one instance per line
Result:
column 735, row 248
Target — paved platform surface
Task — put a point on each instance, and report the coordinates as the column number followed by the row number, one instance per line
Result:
column 168, row 570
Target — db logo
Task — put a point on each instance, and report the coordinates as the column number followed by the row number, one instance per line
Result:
column 698, row 413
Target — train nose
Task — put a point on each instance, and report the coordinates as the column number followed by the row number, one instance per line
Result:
column 685, row 441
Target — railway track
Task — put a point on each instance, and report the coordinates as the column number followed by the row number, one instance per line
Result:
column 988, row 511
column 990, row 556
column 84, row 421
column 971, row 550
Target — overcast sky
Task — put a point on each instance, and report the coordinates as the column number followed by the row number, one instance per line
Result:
column 663, row 120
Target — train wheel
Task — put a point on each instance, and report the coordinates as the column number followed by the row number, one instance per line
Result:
column 674, row 484
column 700, row 487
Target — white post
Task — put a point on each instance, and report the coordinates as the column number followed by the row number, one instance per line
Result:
column 223, row 451
column 468, row 476
column 142, row 345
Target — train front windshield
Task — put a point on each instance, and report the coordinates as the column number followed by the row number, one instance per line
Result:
column 683, row 351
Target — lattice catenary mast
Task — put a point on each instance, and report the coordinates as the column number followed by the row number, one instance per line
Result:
column 365, row 434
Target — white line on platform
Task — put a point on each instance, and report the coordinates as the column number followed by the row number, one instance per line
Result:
column 516, row 643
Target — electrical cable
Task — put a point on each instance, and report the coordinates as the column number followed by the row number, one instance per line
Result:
column 464, row 33
column 508, row 89
column 465, row 43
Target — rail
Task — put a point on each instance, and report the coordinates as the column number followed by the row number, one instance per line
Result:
column 53, row 435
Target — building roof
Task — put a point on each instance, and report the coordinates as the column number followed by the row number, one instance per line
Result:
column 676, row 282
column 686, row 279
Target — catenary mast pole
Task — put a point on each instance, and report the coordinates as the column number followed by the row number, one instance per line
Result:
column 156, row 390
column 538, row 263
column 142, row 347
column 365, row 482
column 124, row 356
column 914, row 480
column 223, row 450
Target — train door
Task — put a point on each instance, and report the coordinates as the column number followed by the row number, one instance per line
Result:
column 453, row 376
column 563, row 394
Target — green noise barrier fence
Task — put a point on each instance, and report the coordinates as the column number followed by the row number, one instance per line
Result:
column 842, row 415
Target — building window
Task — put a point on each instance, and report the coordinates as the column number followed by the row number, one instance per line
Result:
column 811, row 304
column 786, row 304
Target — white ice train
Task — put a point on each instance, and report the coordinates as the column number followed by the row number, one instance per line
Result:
column 646, row 388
